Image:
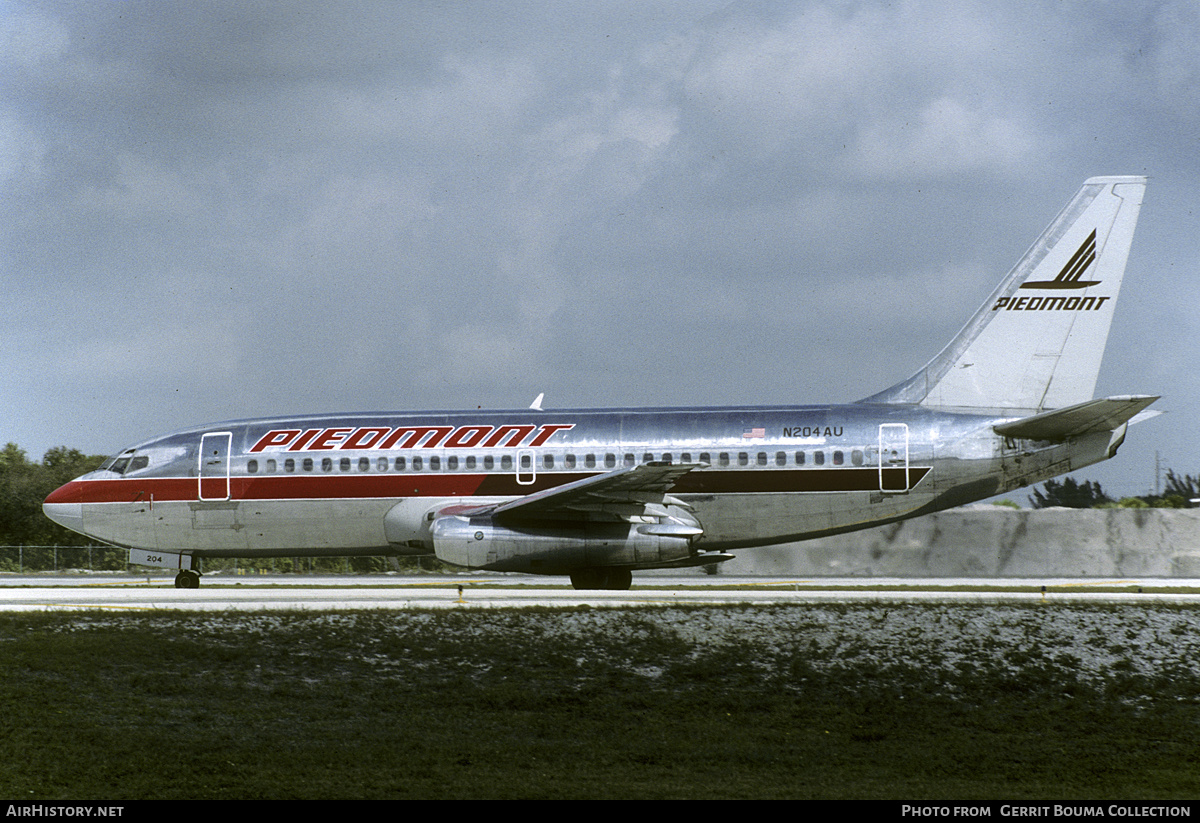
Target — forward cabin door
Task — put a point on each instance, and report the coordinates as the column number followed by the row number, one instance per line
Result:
column 893, row 458
column 214, row 465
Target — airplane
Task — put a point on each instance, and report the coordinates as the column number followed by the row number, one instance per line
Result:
column 599, row 493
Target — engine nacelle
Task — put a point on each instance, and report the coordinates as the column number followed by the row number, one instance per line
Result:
column 408, row 524
column 556, row 548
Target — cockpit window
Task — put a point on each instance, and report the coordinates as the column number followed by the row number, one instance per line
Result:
column 119, row 463
column 126, row 461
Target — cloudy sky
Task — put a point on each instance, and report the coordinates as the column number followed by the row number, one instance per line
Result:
column 213, row 210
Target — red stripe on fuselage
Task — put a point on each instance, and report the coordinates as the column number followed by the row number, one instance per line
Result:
column 347, row 486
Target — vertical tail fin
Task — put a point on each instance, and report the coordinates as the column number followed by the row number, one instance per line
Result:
column 1038, row 341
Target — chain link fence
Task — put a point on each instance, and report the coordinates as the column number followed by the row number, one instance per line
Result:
column 27, row 559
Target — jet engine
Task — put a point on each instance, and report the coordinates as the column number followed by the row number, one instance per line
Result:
column 557, row 547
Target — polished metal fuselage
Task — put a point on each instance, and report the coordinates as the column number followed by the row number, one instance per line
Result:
column 369, row 483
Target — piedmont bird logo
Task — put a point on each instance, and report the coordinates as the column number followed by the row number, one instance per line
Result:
column 1068, row 278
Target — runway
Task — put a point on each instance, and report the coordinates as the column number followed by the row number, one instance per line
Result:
column 390, row 591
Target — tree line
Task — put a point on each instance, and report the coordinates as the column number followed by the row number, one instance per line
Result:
column 25, row 484
column 1178, row 494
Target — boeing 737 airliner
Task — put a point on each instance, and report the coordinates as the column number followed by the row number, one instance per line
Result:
column 599, row 493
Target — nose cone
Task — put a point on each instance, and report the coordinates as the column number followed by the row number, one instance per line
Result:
column 65, row 507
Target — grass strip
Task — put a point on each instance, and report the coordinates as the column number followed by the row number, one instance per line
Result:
column 839, row 701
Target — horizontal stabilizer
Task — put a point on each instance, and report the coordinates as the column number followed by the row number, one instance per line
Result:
column 1073, row 421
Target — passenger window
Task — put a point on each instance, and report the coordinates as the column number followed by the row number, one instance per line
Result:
column 399, row 464
column 289, row 465
column 548, row 461
column 780, row 458
column 856, row 457
column 686, row 457
column 470, row 464
column 646, row 458
column 435, row 464
column 417, row 464
column 489, row 462
column 838, row 458
column 589, row 461
column 272, row 467
column 327, row 464
column 799, row 458
column 252, row 467
column 308, row 464
column 723, row 458
column 569, row 461
column 610, row 461
column 705, row 457
column 819, row 458
column 381, row 464
column 344, row 464
column 762, row 458
column 506, row 462
column 630, row 460
column 743, row 459
column 452, row 463
column 526, row 461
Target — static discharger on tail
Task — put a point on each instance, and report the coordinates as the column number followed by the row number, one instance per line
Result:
column 599, row 493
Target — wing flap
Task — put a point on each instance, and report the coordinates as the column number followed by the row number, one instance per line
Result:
column 622, row 494
column 1102, row 415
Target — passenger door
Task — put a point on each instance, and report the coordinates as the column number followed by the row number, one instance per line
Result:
column 214, row 465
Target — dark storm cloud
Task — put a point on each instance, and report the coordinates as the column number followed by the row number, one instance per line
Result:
column 226, row 209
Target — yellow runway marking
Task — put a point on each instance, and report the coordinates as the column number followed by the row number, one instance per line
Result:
column 1096, row 583
column 93, row 606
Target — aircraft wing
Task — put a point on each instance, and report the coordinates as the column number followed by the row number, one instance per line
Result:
column 1102, row 415
column 631, row 493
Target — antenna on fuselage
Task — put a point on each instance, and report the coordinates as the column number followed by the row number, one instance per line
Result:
column 536, row 405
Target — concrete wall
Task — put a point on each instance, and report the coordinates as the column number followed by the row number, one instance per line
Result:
column 993, row 541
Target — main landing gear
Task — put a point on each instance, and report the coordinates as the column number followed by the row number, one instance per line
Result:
column 187, row 579
column 602, row 578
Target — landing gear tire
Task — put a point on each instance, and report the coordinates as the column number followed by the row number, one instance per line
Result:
column 619, row 579
column 586, row 579
column 602, row 578
column 187, row 580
